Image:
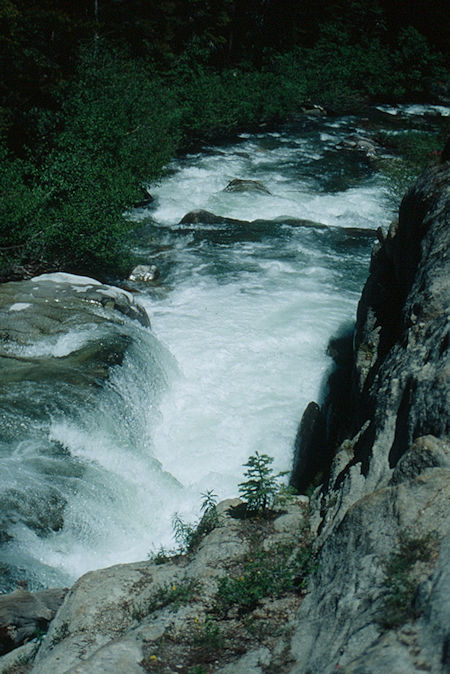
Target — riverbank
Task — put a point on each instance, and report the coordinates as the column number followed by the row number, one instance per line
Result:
column 70, row 174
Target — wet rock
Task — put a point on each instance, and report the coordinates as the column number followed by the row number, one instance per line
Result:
column 293, row 222
column 24, row 615
column 309, row 449
column 144, row 273
column 314, row 110
column 46, row 304
column 61, row 337
column 207, row 218
column 145, row 200
column 37, row 315
column 365, row 146
column 238, row 185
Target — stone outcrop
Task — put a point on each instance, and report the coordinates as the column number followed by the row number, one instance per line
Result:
column 24, row 614
column 45, row 303
column 336, row 235
column 200, row 216
column 366, row 147
column 135, row 617
column 390, row 480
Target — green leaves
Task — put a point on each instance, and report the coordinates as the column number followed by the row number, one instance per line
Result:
column 264, row 573
column 187, row 535
column 84, row 129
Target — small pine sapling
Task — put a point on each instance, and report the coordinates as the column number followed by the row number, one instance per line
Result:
column 261, row 486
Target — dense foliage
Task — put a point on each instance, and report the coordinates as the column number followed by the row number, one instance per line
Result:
column 97, row 95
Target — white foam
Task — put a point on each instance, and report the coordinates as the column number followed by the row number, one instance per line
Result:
column 415, row 109
column 19, row 306
column 55, row 346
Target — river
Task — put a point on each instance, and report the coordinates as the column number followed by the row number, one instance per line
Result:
column 241, row 317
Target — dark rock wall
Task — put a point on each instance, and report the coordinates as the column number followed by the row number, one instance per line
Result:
column 390, row 478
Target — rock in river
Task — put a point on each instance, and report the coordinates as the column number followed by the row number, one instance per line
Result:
column 238, row 185
column 144, row 273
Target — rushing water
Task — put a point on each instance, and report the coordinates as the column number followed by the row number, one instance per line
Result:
column 241, row 318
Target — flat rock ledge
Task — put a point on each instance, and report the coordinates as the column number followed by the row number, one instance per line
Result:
column 154, row 615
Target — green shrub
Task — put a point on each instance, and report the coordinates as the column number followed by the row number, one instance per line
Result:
column 414, row 150
column 117, row 121
column 174, row 594
column 400, row 583
column 187, row 535
column 264, row 573
column 209, row 636
column 161, row 556
column 21, row 205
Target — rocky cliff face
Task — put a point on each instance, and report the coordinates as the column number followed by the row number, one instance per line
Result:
column 387, row 498
column 379, row 598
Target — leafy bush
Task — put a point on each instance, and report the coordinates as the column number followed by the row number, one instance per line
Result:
column 415, row 62
column 187, row 535
column 264, row 573
column 21, row 204
column 116, row 122
column 209, row 636
column 117, row 132
column 413, row 150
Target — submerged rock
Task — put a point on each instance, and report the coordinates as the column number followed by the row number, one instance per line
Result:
column 62, row 338
column 338, row 235
column 314, row 110
column 365, row 146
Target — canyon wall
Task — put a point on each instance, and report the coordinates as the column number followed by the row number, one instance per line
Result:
column 386, row 503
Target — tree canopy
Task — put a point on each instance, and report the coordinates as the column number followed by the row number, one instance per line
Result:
column 96, row 95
